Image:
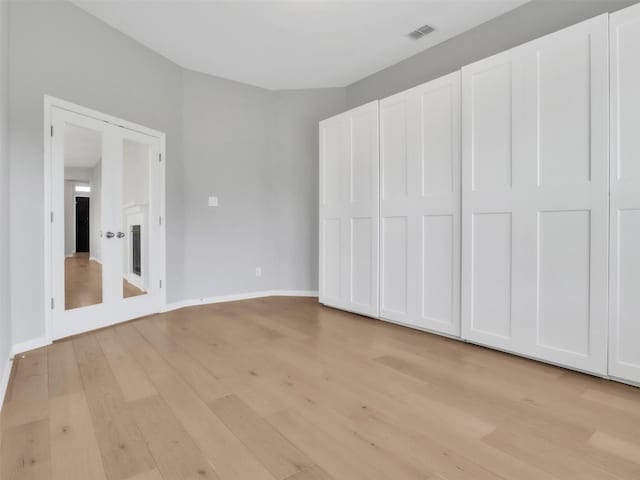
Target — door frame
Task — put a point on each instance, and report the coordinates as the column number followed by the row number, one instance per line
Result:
column 49, row 103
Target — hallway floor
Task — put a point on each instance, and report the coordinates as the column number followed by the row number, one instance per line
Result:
column 83, row 282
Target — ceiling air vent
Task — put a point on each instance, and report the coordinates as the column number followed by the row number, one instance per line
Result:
column 421, row 32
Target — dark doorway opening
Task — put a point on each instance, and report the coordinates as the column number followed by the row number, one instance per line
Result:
column 82, row 224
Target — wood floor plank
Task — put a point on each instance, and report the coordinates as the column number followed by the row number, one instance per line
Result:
column 133, row 382
column 199, row 379
column 124, row 450
column 177, row 455
column 279, row 455
column 616, row 446
column 313, row 472
column 25, row 453
column 73, row 437
column 29, row 400
column 64, row 375
column 150, row 475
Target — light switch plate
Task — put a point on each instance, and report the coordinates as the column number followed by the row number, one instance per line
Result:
column 213, row 201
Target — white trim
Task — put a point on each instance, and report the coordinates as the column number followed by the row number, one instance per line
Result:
column 4, row 381
column 32, row 344
column 238, row 296
column 49, row 103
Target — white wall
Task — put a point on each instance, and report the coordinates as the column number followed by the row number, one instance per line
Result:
column 5, row 308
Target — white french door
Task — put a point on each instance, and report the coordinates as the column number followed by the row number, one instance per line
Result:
column 535, row 203
column 349, row 210
column 118, row 276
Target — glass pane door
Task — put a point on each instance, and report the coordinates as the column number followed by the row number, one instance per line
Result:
column 82, row 216
column 106, row 229
column 135, row 218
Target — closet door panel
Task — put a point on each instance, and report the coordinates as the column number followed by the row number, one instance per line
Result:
column 563, row 281
column 489, row 274
column 420, row 206
column 349, row 210
column 438, row 269
column 395, row 266
column 333, row 214
column 396, row 157
column 564, row 90
column 491, row 103
column 331, row 234
column 570, row 196
column 440, row 139
column 363, row 209
column 491, row 278
column 624, row 314
column 535, row 198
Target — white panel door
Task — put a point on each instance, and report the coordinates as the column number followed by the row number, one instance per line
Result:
column 349, row 232
column 535, row 200
column 420, row 206
column 624, row 348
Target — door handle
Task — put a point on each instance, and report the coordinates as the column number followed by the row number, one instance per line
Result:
column 110, row 235
column 120, row 235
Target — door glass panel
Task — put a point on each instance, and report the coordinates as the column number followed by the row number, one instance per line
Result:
column 135, row 221
column 82, row 216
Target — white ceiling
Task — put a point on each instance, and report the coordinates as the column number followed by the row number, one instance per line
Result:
column 291, row 44
column 82, row 147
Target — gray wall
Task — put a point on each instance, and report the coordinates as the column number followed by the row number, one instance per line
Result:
column 226, row 153
column 521, row 25
column 257, row 151
column 294, row 167
column 5, row 322
column 59, row 50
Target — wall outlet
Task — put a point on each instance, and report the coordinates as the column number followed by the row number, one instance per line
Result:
column 258, row 271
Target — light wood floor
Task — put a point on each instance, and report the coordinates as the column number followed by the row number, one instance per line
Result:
column 282, row 388
column 83, row 282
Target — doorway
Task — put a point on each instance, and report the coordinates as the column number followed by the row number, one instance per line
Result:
column 106, row 253
column 82, row 224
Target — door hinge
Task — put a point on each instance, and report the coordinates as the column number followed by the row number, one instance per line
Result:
column 52, row 303
column 160, row 283
column 52, row 216
column 160, row 220
column 159, row 157
column 52, row 130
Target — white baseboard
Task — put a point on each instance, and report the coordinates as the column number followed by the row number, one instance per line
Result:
column 95, row 259
column 239, row 296
column 30, row 345
column 4, row 380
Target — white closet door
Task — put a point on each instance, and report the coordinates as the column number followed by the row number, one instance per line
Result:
column 420, row 206
column 535, row 200
column 349, row 175
column 624, row 350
